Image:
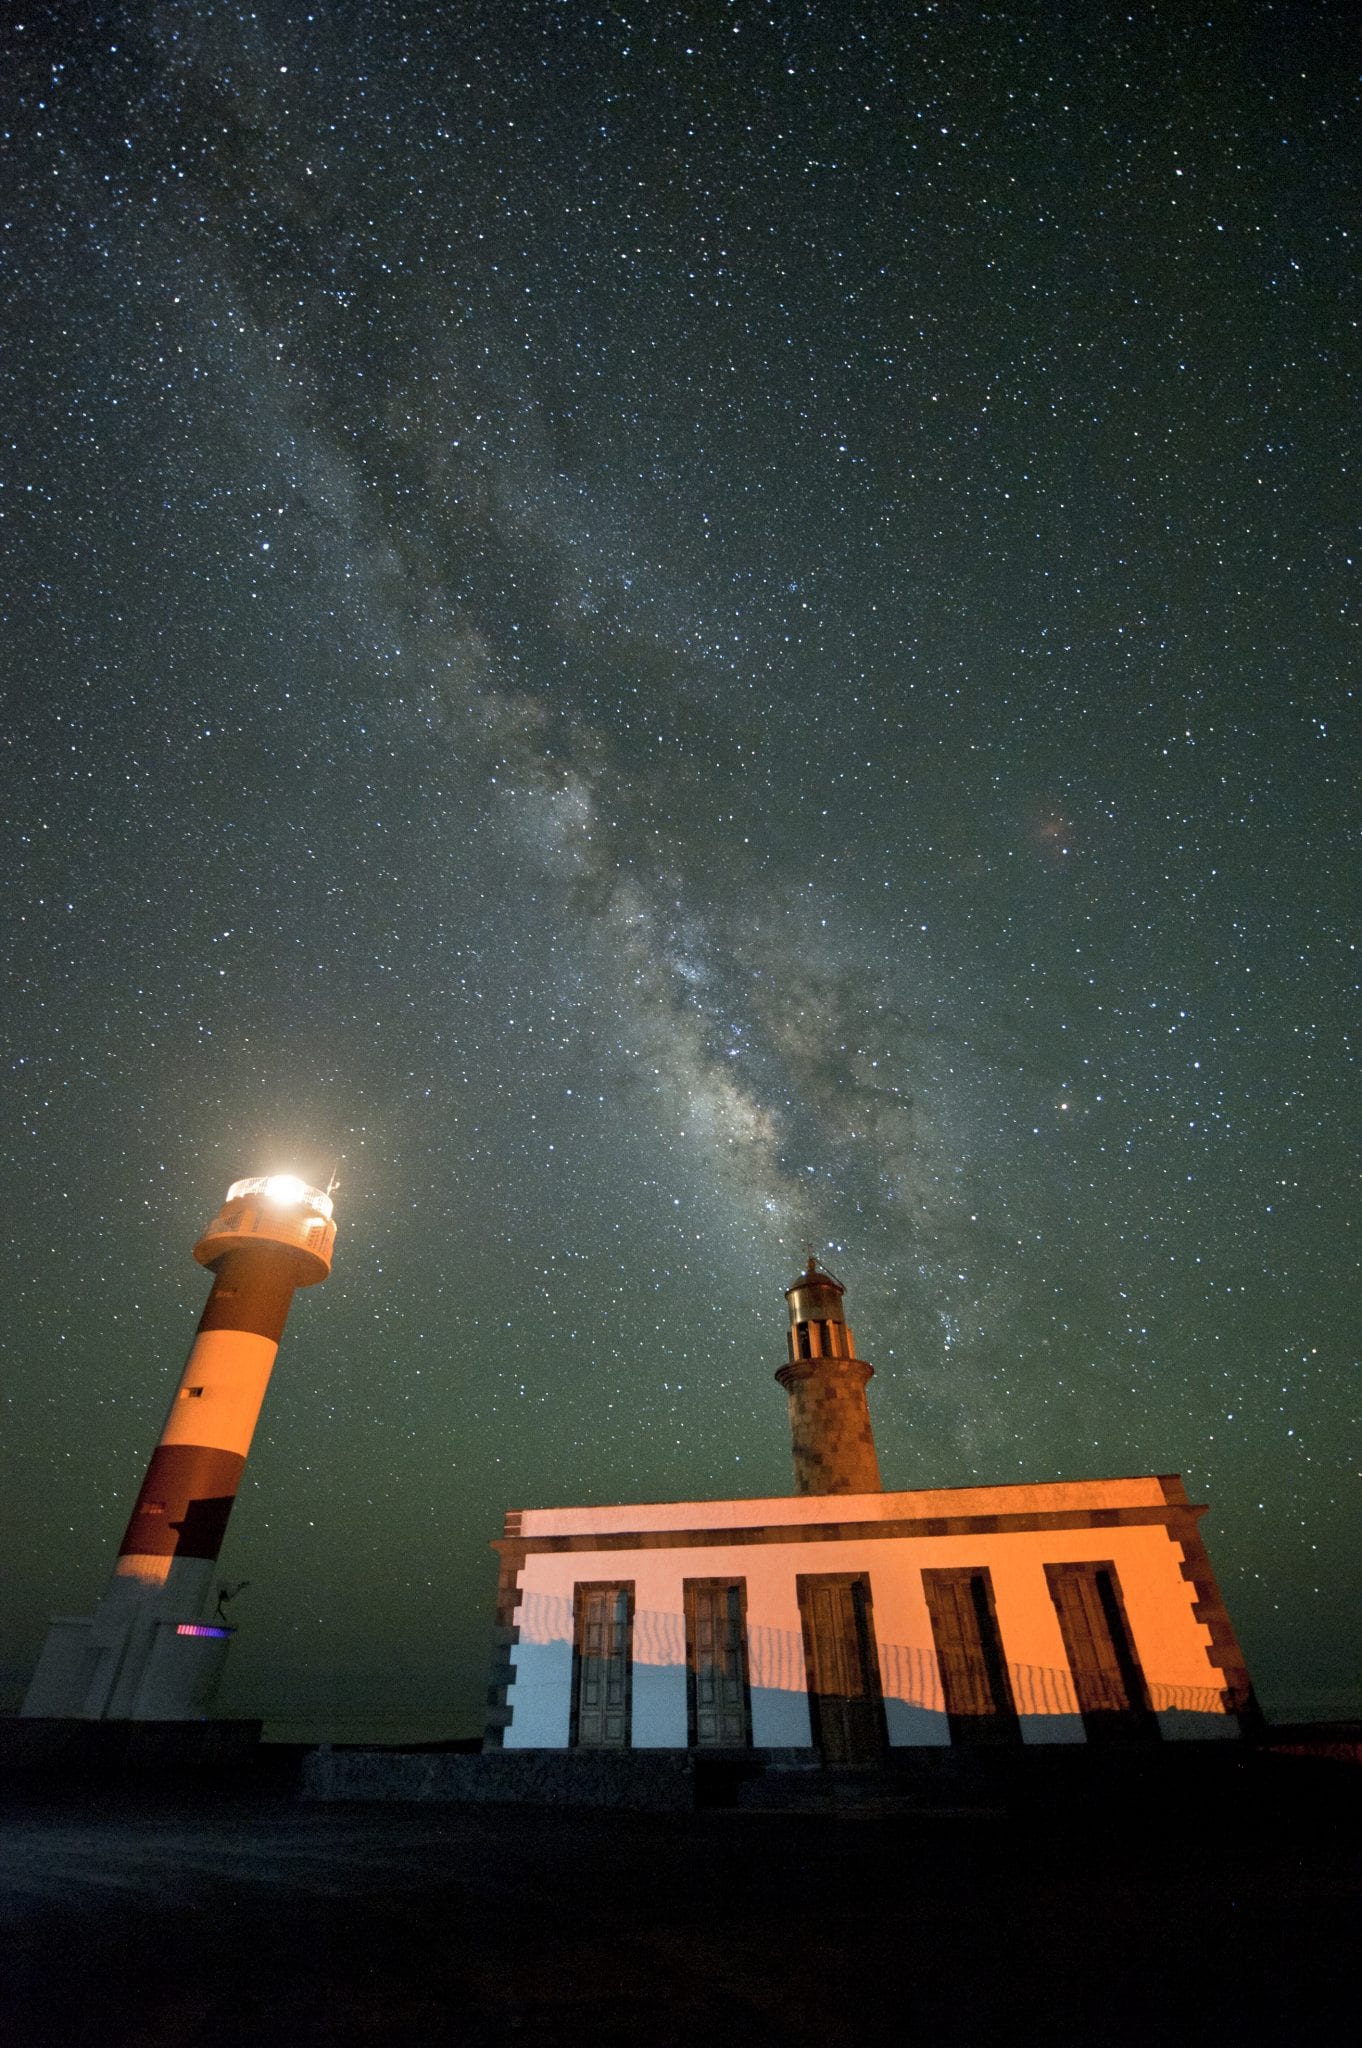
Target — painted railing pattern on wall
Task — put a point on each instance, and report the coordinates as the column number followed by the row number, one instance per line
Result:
column 908, row 1671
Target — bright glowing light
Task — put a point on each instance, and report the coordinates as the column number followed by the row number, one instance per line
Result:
column 200, row 1628
column 283, row 1189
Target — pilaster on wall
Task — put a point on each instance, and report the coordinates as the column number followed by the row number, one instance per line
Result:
column 1224, row 1653
column 505, row 1632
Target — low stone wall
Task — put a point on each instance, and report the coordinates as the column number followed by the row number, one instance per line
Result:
column 648, row 1781
column 1024, row 1780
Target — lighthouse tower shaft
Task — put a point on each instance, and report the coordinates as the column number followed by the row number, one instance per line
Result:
column 147, row 1654
column 831, row 1437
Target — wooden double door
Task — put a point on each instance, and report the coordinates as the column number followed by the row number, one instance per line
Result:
column 846, row 1702
column 602, row 1665
column 976, row 1690
column 718, row 1695
column 1108, row 1682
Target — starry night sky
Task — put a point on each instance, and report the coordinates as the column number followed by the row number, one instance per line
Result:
column 679, row 633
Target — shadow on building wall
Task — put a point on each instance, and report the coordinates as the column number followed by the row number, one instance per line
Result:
column 910, row 1680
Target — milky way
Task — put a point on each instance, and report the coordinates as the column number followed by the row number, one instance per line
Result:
column 676, row 635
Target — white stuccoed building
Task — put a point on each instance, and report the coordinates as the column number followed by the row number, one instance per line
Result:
column 842, row 1622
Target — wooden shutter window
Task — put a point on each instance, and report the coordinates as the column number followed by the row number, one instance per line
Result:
column 602, row 1664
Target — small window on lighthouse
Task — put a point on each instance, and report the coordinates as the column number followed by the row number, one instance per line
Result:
column 802, row 1333
column 190, row 1393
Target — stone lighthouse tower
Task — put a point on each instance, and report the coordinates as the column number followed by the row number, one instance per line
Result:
column 149, row 1654
column 834, row 1448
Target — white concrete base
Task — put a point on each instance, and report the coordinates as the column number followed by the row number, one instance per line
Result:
column 162, row 1671
column 59, row 1686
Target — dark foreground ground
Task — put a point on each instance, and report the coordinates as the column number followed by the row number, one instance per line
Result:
column 133, row 1919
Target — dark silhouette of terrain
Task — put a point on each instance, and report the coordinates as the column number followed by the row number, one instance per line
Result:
column 219, row 1915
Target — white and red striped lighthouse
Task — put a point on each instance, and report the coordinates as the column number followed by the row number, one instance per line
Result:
column 148, row 1653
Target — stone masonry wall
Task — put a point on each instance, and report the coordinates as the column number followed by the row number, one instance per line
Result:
column 830, row 1433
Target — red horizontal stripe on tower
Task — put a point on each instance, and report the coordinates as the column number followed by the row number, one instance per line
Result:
column 184, row 1503
column 252, row 1291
